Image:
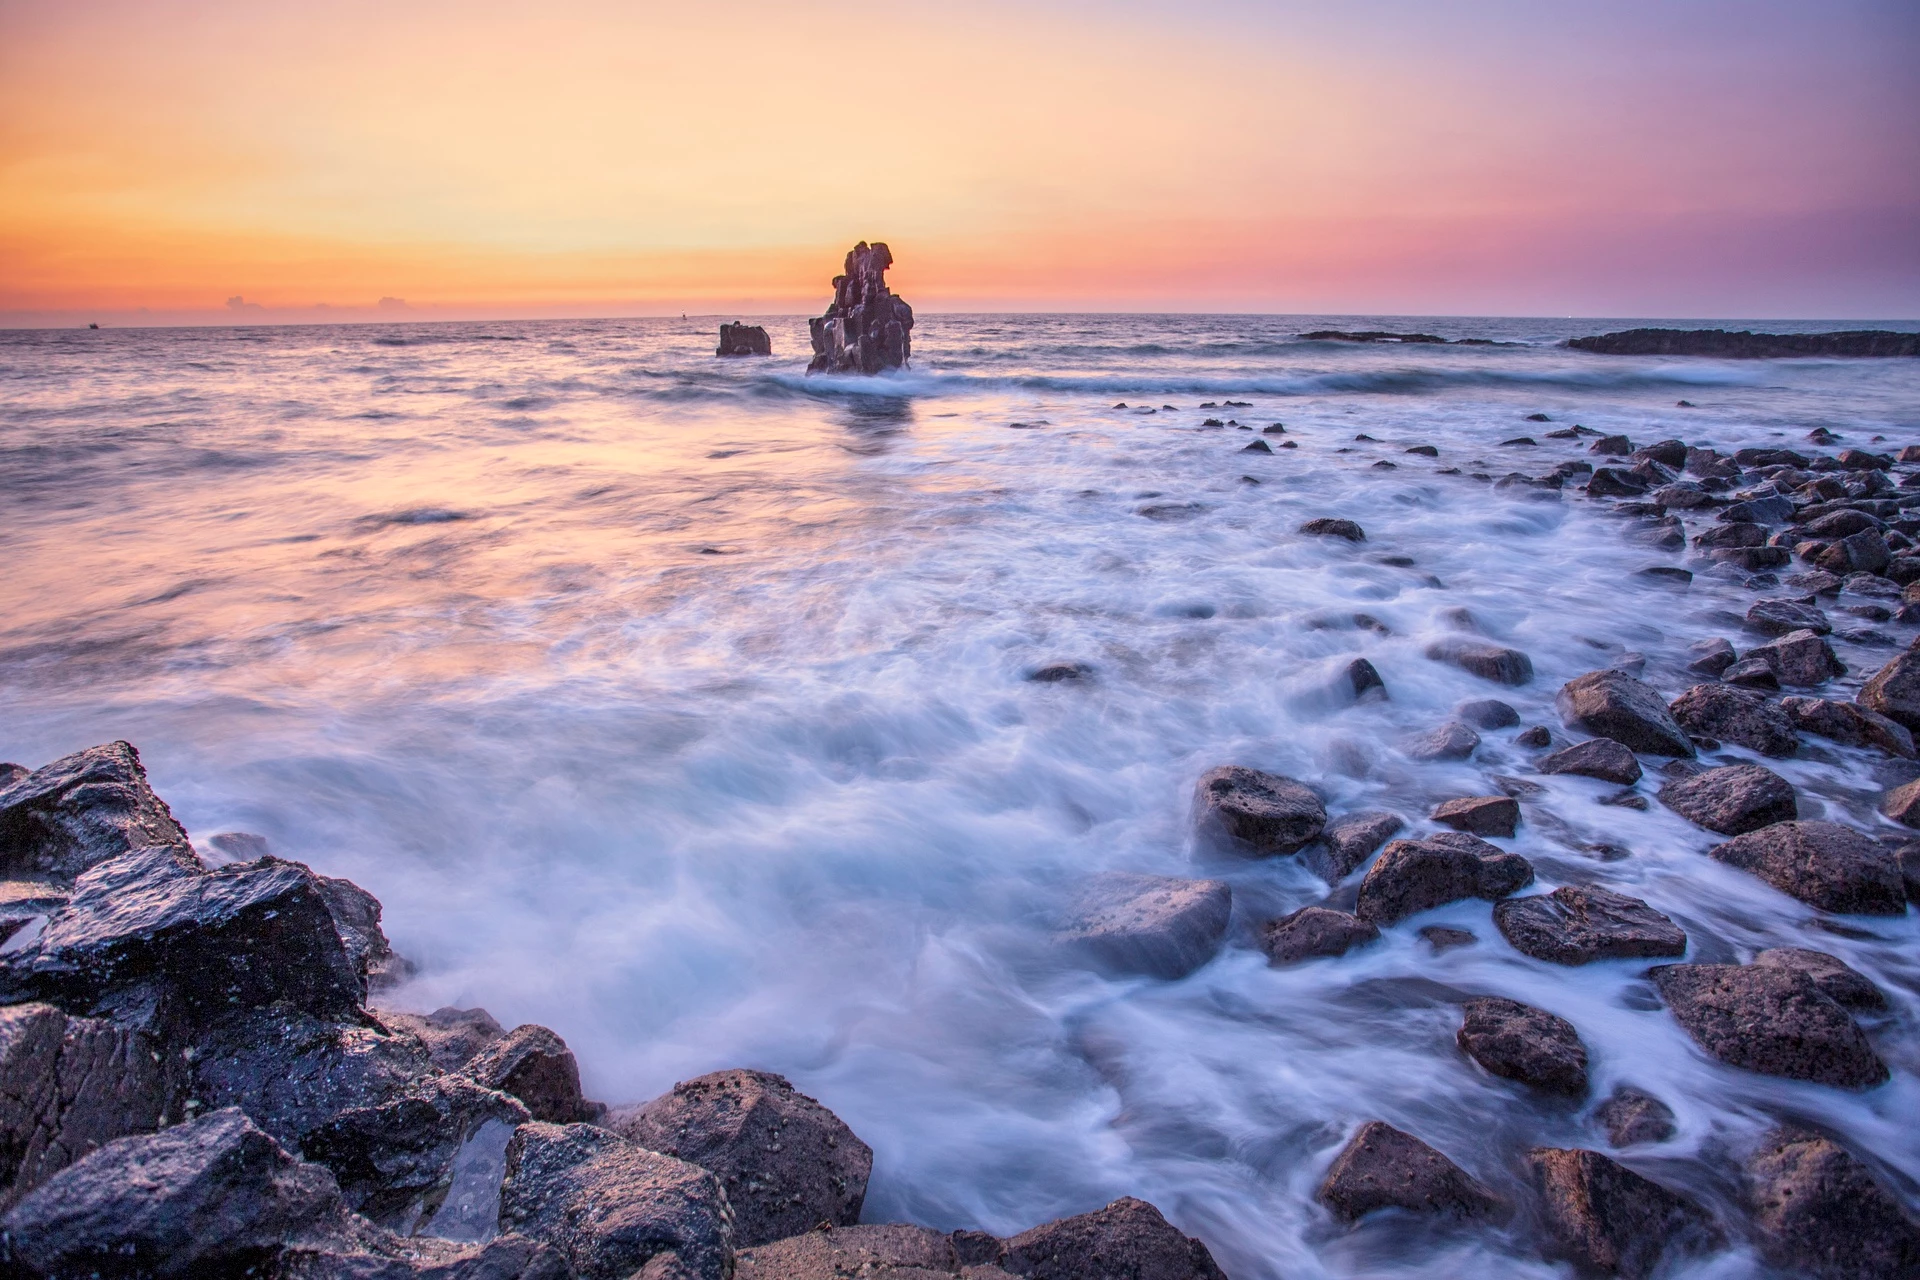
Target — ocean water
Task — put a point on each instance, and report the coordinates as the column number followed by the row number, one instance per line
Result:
column 679, row 704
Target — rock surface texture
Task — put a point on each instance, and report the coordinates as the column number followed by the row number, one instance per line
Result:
column 1258, row 812
column 1820, row 1212
column 1412, row 876
column 1604, row 1216
column 1520, row 1042
column 79, row 811
column 1385, row 1168
column 1736, row 715
column 1581, row 924
column 1313, row 933
column 1733, row 799
column 1158, row 925
column 1612, row 704
column 1823, row 864
column 739, row 339
column 866, row 329
column 1128, row 1239
column 1771, row 1020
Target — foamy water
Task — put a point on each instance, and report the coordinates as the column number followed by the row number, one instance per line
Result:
column 678, row 704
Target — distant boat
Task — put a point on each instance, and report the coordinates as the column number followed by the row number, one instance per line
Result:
column 93, row 326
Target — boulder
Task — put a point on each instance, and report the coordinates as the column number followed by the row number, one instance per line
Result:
column 1849, row 724
column 1840, row 524
column 1314, row 933
column 1823, row 864
column 1332, row 527
column 1127, row 1239
column 1612, row 446
column 1782, row 617
column 1601, row 758
column 1487, row 713
column 1261, row 812
column 1578, row 924
column 1412, row 876
column 1488, row 661
column 1799, row 658
column 1480, row 815
column 1519, row 1042
column 1770, row 509
column 1737, row 534
column 534, row 1065
column 450, row 1036
column 609, row 1206
column 1839, row 981
column 1711, row 657
column 1384, row 1168
column 1735, row 715
column 1902, row 803
column 356, row 918
column 1612, row 482
column 866, row 328
column 1733, row 799
column 1752, row 673
column 739, row 339
column 1602, row 1215
column 1820, row 1212
column 1157, row 925
column 1632, row 1116
column 1352, row 838
column 787, row 1163
column 1894, row 691
column 81, row 810
column 1612, row 704
column 893, row 1252
column 1773, row 1020
column 1359, row 678
column 1451, row 741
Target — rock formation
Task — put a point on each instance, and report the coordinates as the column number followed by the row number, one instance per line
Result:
column 867, row 328
column 739, row 339
column 1745, row 345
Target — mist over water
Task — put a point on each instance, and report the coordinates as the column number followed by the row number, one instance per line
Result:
column 679, row 704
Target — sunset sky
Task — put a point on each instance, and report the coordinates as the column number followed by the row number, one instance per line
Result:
column 588, row 157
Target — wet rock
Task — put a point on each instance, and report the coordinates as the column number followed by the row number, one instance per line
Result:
column 1612, row 446
column 738, row 339
column 1849, row 724
column 1840, row 524
column 1816, row 581
column 1800, row 658
column 1631, row 1116
column 1385, row 1168
column 1668, row 453
column 1872, row 586
column 1769, row 1019
column 1752, row 673
column 894, row 1252
column 1352, row 838
column 866, row 328
column 1257, row 446
column 356, row 918
column 1157, row 925
column 1839, row 981
column 451, row 1037
column 1601, row 758
column 1425, row 450
column 1480, row 815
column 1330, row 527
column 1060, row 673
column 1412, row 876
column 1536, row 736
column 1488, row 661
column 1780, row 617
column 1902, row 804
column 788, row 1164
column 1487, row 713
column 1737, row 534
column 1602, row 1215
column 1823, row 864
column 1314, row 933
column 1670, row 575
column 1821, row 1213
column 534, row 1065
column 1128, row 1238
column 1443, row 939
column 1735, row 715
column 1771, row 509
column 1612, row 704
column 1451, row 741
column 1752, row 559
column 1732, row 800
column 1580, row 924
column 79, row 811
column 610, row 1206
column 1262, row 812
column 1360, row 678
column 1894, row 691
column 1519, row 1042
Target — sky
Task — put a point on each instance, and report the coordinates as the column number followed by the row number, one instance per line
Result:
column 213, row 160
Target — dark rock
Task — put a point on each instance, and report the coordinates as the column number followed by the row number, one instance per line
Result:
column 356, row 918
column 1314, row 933
column 451, row 1037
column 1537, row 736
column 1799, row 658
column 1425, row 450
column 534, row 1065
column 1519, row 1042
column 1538, row 417
column 1360, row 678
column 866, row 328
column 1451, row 741
column 788, row 1164
column 1351, row 839
column 1872, row 586
column 1384, row 1168
column 1602, row 1215
column 1682, row 496
column 1849, row 724
column 1733, row 799
column 1737, row 534
column 1670, row 575
column 1127, row 1239
column 1902, row 804
column 1825, row 865
column 1840, row 524
column 1601, row 758
column 1837, row 980
column 1480, row 815
column 1612, row 446
column 1894, row 691
column 1521, row 440
column 1821, row 1213
column 1668, row 453
column 1415, row 875
column 1612, row 482
column 1769, row 1019
column 1329, row 527
column 1264, row 812
column 1744, row 345
column 895, row 1252
column 1488, row 661
column 1780, row 617
column 1863, row 552
column 1060, row 672
column 1257, row 446
column 1771, row 509
column 1815, row 581
column 1612, row 704
column 1735, row 715
column 1581, row 924
column 1443, row 939
column 1631, row 1117
column 79, row 811
column 739, row 339
column 1487, row 713
column 610, row 1206
column 1752, row 673
column 1861, row 460
column 1752, row 559
column 1157, row 925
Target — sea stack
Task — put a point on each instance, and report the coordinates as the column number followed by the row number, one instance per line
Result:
column 738, row 339
column 866, row 329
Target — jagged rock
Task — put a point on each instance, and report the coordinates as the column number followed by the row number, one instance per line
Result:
column 1735, row 715
column 1823, row 864
column 1579, row 924
column 787, row 1163
column 1736, row 534
column 739, row 339
column 1519, row 1042
column 382, row 1256
column 1632, row 1116
column 1487, row 713
column 24, row 901
column 1488, row 661
column 1839, row 981
column 610, row 1206
column 1894, row 691
column 1601, row 1214
column 1612, row 446
column 1711, row 657
column 1415, row 875
column 1352, row 838
column 1612, row 704
column 533, row 1064
column 79, row 811
column 866, row 328
column 1821, row 1213
column 1902, row 804
column 356, row 917
column 1771, row 509
column 1612, row 482
column 1733, row 799
column 1769, row 1019
column 1451, row 741
column 895, row 1252
column 1264, row 812
column 1480, row 815
column 1752, row 673
column 1359, row 679
column 1333, row 527
column 450, row 1036
column 1385, row 1168
column 1128, row 1238
column 1601, row 758
column 1849, row 724
column 1314, row 933
column 1799, row 658
column 1781, row 617
column 1148, row 924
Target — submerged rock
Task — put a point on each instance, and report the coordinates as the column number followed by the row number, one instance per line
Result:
column 1773, row 1020
column 80, row 811
column 1612, row 704
column 1736, row 715
column 1451, row 741
column 1743, row 344
column 1382, row 1167
column 1732, row 799
column 1581, row 924
column 1488, row 661
column 1314, row 933
column 1602, row 1215
column 1158, row 925
column 1823, row 864
column 1333, row 527
column 1262, row 812
column 1821, row 1213
column 866, row 328
column 1480, row 815
column 1487, row 713
column 1632, row 1116
column 1601, row 758
column 739, row 339
column 1519, row 1042
column 1352, row 838
column 1415, row 875
column 1849, row 724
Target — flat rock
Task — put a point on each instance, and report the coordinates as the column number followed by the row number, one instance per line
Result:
column 1158, row 925
column 1385, row 1168
column 1480, row 815
column 1894, row 691
column 1519, row 1042
column 1735, row 715
column 1578, row 924
column 1632, row 1116
column 1800, row 659
column 533, row 1064
column 1412, row 876
column 1332, row 527
column 884, row 1252
column 451, row 1037
column 788, row 1164
column 1849, row 724
column 79, row 811
column 1487, row 713
column 1732, row 799
column 1612, row 704
column 1488, row 661
column 1128, row 1239
column 1839, row 981
column 1823, row 864
column 1820, row 1212
column 1352, row 838
column 1773, row 1020
column 1604, row 1216
column 1601, row 758
column 1451, row 741
column 1262, row 812
column 1781, row 617
column 1314, row 933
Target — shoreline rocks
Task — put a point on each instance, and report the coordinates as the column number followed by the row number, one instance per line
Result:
column 1382, row 1167
column 1769, row 1019
column 1261, row 813
column 1578, row 925
column 1519, row 1042
column 1743, row 344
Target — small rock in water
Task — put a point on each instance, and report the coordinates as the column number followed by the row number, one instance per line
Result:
column 1612, row 704
column 1488, row 661
column 1577, row 925
column 1257, row 446
column 1779, row 617
column 1538, row 417
column 1385, row 1168
column 1157, row 925
column 1262, row 812
column 1601, row 758
column 1352, row 838
column 1735, row 715
column 1442, row 939
column 1733, row 799
column 1799, row 658
column 1451, row 741
column 1314, row 933
column 1849, row 724
column 1480, row 815
column 1902, row 804
column 1752, row 673
column 1057, row 672
column 1612, row 446
column 1631, row 1116
column 1603, row 1216
column 1332, row 527
column 1537, row 736
column 1838, row 980
column 1823, row 864
column 1820, row 1212
column 1666, row 574
column 1412, row 876
column 1771, row 1020
column 1519, row 1042
column 1487, row 713
column 1361, row 678
column 1522, row 440
column 1127, row 1238
column 1894, row 691
column 739, row 339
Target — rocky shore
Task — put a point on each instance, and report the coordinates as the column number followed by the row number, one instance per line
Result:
column 1743, row 344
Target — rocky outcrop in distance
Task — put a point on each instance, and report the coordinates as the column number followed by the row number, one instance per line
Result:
column 1743, row 344
column 739, row 339
column 866, row 329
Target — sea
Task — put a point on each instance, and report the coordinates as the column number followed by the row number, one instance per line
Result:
column 683, row 705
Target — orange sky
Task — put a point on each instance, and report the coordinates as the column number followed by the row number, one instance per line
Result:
column 607, row 158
